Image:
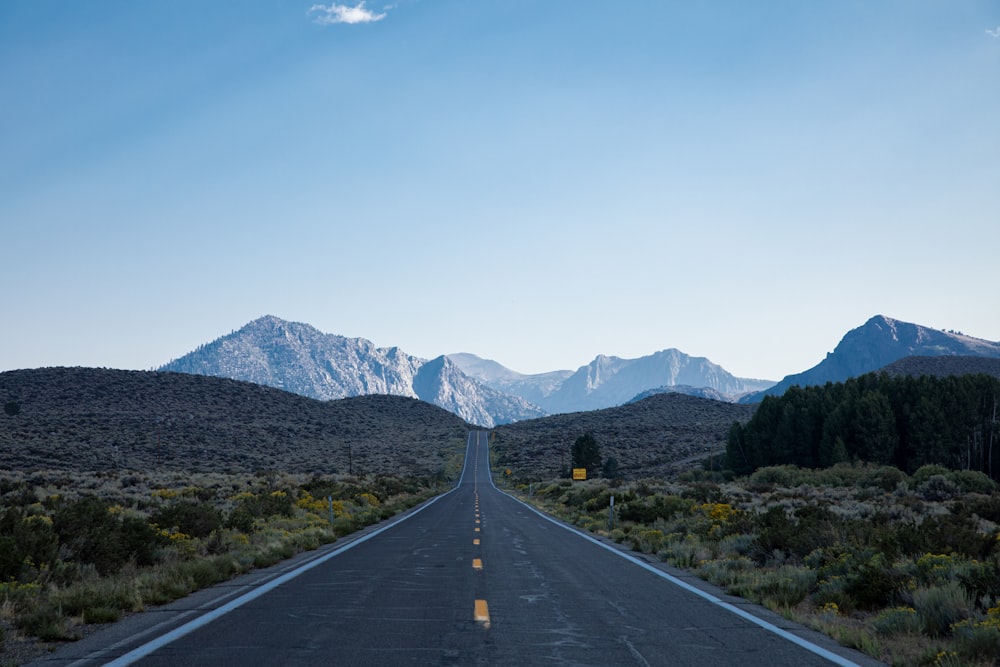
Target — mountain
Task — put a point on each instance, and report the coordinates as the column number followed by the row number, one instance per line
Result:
column 441, row 382
column 102, row 419
column 610, row 381
column 877, row 343
column 298, row 358
column 534, row 388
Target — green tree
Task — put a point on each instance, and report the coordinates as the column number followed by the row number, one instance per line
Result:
column 587, row 454
column 610, row 469
column 875, row 427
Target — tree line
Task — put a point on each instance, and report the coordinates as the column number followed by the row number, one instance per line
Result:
column 903, row 421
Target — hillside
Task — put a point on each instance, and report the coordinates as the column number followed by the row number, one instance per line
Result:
column 877, row 343
column 99, row 419
column 648, row 438
column 299, row 358
column 944, row 366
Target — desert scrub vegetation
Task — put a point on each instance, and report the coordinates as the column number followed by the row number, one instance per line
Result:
column 86, row 548
column 903, row 567
column 102, row 419
column 648, row 438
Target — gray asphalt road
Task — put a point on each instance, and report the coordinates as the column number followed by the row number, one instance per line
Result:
column 474, row 578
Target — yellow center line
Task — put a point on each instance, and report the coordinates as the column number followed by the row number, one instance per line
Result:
column 477, row 529
column 476, row 541
column 477, row 563
column 482, row 613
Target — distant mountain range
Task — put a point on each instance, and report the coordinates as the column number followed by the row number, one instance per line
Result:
column 298, row 358
column 877, row 343
column 610, row 381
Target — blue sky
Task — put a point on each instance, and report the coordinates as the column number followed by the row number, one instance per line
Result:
column 534, row 182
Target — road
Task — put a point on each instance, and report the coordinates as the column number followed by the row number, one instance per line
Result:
column 474, row 578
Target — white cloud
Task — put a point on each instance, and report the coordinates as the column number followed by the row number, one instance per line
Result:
column 995, row 32
column 334, row 13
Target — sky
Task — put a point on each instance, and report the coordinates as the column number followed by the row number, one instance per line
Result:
column 533, row 182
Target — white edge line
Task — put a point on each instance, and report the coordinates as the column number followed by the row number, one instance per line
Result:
column 149, row 647
column 770, row 627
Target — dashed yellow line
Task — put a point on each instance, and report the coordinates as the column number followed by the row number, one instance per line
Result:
column 482, row 613
column 476, row 541
column 477, row 563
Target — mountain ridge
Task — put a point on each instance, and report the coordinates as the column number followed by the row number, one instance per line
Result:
column 877, row 343
column 297, row 357
column 608, row 381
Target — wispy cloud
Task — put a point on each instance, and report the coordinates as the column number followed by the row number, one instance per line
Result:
column 995, row 32
column 334, row 13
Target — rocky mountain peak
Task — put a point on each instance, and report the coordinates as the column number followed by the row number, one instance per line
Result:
column 879, row 342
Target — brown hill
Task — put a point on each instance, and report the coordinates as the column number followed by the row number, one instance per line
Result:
column 648, row 438
column 100, row 419
column 944, row 366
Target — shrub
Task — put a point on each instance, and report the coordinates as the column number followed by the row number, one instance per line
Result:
column 250, row 507
column 189, row 517
column 648, row 541
column 687, row 552
column 77, row 599
column 101, row 615
column 785, row 475
column 938, row 487
column 728, row 571
column 973, row 481
column 942, row 606
column 924, row 473
column 786, row 586
column 898, row 621
column 655, row 507
column 45, row 622
column 10, row 559
column 987, row 507
column 739, row 544
column 831, row 592
column 810, row 528
column 93, row 533
column 941, row 533
column 980, row 639
column 875, row 583
column 981, row 578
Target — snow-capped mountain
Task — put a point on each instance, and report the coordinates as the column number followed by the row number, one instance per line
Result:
column 298, row 358
column 877, row 343
column 610, row 381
